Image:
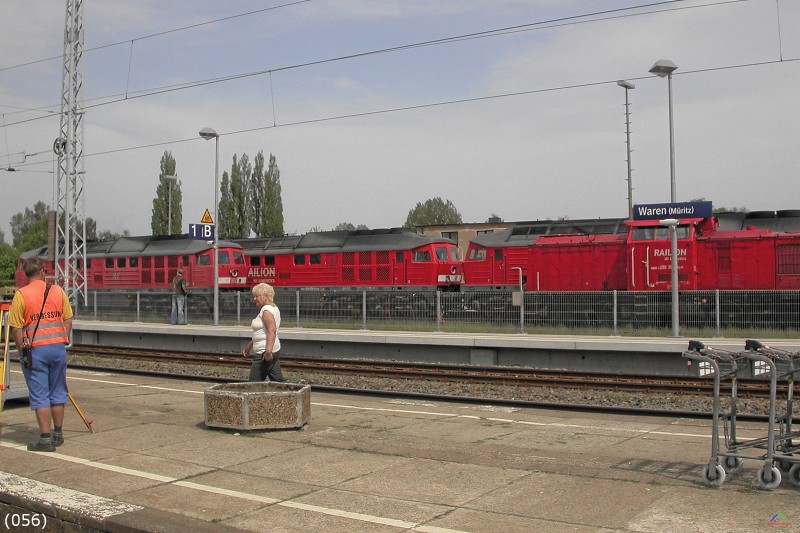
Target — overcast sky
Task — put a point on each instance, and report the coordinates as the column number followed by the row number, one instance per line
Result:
column 525, row 124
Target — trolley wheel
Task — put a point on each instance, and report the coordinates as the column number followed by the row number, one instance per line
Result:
column 785, row 466
column 794, row 475
column 733, row 465
column 775, row 480
column 715, row 481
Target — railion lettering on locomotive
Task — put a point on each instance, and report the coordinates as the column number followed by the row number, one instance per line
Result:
column 668, row 253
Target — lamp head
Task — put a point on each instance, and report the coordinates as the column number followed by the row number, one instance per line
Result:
column 626, row 84
column 663, row 67
column 208, row 134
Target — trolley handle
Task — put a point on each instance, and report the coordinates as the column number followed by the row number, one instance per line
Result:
column 775, row 353
column 699, row 348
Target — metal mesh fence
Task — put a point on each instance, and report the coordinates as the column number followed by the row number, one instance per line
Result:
column 701, row 313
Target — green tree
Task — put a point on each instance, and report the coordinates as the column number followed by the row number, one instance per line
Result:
column 265, row 198
column 168, row 188
column 2, row 237
column 347, row 226
column 433, row 211
column 22, row 222
column 234, row 211
column 226, row 215
column 274, row 222
column 8, row 263
column 107, row 235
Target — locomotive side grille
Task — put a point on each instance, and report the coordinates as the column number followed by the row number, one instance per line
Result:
column 159, row 261
column 348, row 258
column 382, row 258
column 146, row 278
column 383, row 273
column 789, row 259
column 147, row 262
column 365, row 274
column 348, row 274
column 160, row 276
column 364, row 258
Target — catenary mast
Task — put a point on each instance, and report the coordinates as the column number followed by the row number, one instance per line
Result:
column 70, row 242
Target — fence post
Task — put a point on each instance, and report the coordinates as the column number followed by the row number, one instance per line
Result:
column 138, row 317
column 95, row 304
column 297, row 307
column 438, row 311
column 614, row 331
column 185, row 309
column 363, row 310
column 238, row 308
column 717, row 314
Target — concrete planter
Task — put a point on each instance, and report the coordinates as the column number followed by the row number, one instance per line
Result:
column 259, row 405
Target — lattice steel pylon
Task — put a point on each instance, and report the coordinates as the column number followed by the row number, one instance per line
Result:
column 70, row 242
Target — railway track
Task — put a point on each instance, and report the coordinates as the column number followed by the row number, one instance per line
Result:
column 456, row 374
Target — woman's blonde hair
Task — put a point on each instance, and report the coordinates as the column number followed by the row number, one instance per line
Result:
column 264, row 289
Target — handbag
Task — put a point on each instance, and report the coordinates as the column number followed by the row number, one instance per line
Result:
column 26, row 357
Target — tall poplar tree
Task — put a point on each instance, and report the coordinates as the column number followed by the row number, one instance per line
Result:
column 168, row 189
column 234, row 206
column 265, row 194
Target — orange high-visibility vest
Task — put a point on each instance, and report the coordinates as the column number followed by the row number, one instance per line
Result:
column 52, row 329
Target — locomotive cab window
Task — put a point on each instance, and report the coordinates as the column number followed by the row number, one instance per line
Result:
column 498, row 255
column 109, row 263
column 441, row 254
column 422, row 256
column 299, row 260
column 399, row 257
column 238, row 258
column 314, row 259
column 120, row 262
column 134, row 262
column 224, row 258
column 477, row 254
column 204, row 260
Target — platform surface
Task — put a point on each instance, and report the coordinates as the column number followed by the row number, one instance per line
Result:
column 376, row 464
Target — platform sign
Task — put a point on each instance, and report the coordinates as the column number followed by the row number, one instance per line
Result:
column 677, row 210
column 201, row 232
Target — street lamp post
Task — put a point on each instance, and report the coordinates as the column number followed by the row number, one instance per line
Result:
column 627, row 86
column 171, row 178
column 672, row 224
column 207, row 134
column 662, row 68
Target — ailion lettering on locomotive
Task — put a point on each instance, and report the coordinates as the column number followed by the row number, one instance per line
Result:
column 264, row 272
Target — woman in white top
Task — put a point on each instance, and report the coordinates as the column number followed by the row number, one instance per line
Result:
column 264, row 346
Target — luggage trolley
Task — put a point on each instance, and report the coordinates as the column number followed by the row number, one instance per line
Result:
column 722, row 365
column 779, row 365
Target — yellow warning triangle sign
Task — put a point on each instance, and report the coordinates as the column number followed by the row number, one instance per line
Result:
column 206, row 218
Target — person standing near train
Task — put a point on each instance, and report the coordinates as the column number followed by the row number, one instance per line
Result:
column 179, row 292
column 41, row 321
column 265, row 344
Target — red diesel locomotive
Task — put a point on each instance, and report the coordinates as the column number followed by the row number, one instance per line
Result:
column 396, row 259
column 735, row 252
column 149, row 263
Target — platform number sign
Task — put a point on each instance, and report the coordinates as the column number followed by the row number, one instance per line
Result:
column 201, row 232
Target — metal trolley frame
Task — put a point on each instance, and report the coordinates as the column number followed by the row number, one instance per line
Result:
column 776, row 450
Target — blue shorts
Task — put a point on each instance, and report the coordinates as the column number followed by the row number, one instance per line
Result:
column 47, row 378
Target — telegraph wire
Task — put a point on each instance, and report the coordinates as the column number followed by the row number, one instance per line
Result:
column 563, row 21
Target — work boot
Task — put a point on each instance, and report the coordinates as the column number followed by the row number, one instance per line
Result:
column 42, row 446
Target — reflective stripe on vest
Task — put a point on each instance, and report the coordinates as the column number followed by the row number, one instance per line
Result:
column 51, row 326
